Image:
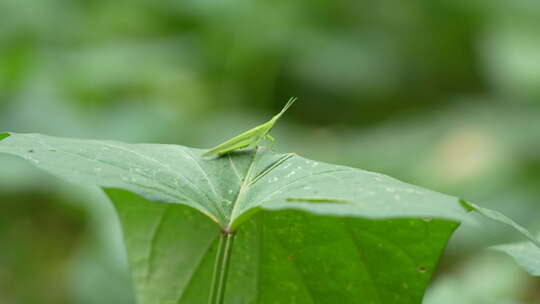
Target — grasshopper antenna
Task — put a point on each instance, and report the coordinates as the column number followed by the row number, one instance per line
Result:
column 288, row 105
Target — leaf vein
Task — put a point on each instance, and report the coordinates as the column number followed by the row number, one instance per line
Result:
column 361, row 254
column 233, row 166
column 197, row 266
column 151, row 253
column 203, row 172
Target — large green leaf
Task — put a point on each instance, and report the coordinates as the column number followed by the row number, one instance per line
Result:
column 279, row 257
column 307, row 232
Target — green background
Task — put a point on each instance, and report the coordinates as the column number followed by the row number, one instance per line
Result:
column 443, row 94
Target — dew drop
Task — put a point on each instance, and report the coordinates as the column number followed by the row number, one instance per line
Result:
column 421, row 269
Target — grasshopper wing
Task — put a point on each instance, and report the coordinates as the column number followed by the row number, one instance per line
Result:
column 238, row 142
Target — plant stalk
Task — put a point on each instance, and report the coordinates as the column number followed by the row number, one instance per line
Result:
column 221, row 268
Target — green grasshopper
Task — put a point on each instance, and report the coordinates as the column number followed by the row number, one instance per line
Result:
column 250, row 137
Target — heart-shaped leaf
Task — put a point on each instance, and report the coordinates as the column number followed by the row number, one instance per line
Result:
column 306, row 232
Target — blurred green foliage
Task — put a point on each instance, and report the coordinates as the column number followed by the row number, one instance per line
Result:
column 444, row 94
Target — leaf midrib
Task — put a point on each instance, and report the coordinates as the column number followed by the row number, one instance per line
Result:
column 249, row 182
column 243, row 188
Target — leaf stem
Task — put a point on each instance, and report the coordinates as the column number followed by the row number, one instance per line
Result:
column 221, row 267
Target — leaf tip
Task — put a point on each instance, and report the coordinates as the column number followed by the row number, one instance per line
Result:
column 4, row 135
column 467, row 206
